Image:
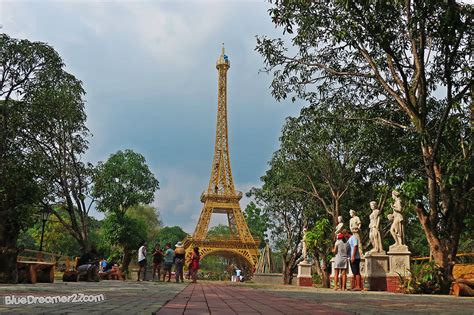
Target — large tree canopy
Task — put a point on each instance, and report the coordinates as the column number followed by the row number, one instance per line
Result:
column 405, row 64
column 42, row 135
column 123, row 181
column 120, row 183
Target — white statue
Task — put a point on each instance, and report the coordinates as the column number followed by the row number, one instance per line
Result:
column 354, row 225
column 396, row 216
column 374, row 233
column 304, row 250
column 339, row 225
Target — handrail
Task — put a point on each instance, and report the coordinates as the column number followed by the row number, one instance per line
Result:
column 457, row 255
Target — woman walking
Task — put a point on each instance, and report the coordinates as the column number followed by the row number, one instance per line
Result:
column 194, row 265
column 341, row 249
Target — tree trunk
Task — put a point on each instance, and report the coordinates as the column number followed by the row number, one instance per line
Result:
column 443, row 248
column 9, row 231
column 322, row 271
column 127, row 258
column 8, row 269
column 287, row 273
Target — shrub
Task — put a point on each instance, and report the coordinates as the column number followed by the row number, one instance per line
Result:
column 426, row 277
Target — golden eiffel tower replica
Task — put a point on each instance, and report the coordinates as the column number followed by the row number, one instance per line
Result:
column 221, row 196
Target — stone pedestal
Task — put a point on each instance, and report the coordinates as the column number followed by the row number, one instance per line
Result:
column 304, row 278
column 399, row 260
column 399, row 265
column 376, row 271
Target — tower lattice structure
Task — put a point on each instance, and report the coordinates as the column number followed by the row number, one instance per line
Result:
column 221, row 196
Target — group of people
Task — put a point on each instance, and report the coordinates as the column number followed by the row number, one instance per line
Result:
column 167, row 258
column 347, row 253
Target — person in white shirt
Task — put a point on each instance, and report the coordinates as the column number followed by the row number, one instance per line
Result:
column 142, row 260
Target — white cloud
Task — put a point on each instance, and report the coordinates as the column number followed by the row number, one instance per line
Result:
column 170, row 32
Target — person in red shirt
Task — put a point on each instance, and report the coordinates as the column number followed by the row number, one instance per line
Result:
column 194, row 266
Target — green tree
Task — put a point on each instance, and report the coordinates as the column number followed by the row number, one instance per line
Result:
column 170, row 234
column 219, row 231
column 126, row 232
column 150, row 216
column 122, row 182
column 64, row 178
column 285, row 211
column 319, row 240
column 257, row 221
column 410, row 58
column 57, row 240
column 40, row 111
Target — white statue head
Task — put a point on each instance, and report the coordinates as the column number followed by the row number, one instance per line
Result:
column 395, row 194
column 373, row 205
column 339, row 219
column 352, row 212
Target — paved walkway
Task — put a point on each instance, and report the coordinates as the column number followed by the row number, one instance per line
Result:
column 129, row 297
column 133, row 297
column 375, row 303
column 211, row 298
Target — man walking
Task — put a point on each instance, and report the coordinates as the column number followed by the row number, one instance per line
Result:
column 142, row 260
column 354, row 259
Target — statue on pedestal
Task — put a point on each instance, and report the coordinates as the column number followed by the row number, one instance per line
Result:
column 354, row 225
column 374, row 233
column 396, row 229
column 339, row 226
column 304, row 250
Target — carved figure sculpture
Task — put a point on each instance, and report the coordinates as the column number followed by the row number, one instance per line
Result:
column 304, row 250
column 354, row 225
column 374, row 232
column 396, row 216
column 339, row 225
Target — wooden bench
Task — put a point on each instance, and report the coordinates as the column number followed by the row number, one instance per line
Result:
column 32, row 263
column 33, row 267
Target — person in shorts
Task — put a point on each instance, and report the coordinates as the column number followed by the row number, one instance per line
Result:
column 355, row 261
column 142, row 260
column 341, row 261
column 157, row 259
column 168, row 262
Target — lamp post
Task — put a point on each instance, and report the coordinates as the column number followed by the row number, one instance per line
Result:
column 44, row 217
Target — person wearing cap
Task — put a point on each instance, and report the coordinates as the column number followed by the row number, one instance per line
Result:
column 179, row 255
column 342, row 250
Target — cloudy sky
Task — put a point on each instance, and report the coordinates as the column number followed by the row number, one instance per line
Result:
column 148, row 68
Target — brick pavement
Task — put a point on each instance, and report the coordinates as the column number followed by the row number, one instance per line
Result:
column 133, row 297
column 242, row 298
column 212, row 298
column 375, row 303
